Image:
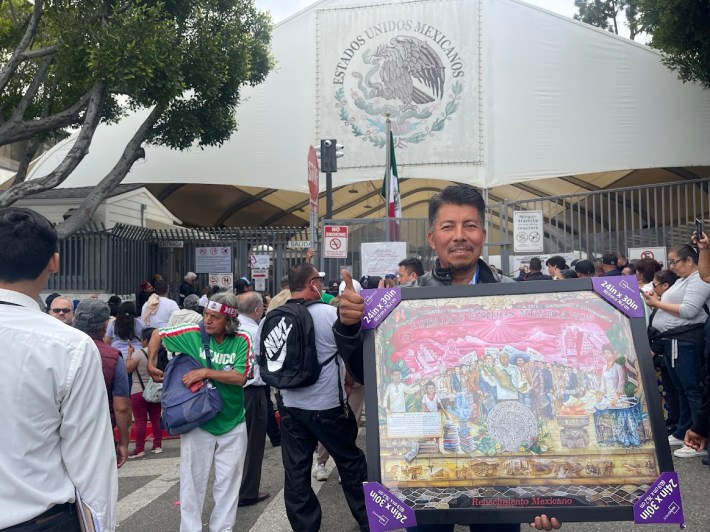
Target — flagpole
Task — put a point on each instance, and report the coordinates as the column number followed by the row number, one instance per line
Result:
column 388, row 174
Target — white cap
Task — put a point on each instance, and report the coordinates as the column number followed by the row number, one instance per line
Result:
column 357, row 286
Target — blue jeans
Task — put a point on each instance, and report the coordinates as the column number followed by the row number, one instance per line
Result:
column 686, row 374
column 301, row 430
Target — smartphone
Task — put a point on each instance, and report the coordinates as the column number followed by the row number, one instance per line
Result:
column 698, row 229
column 195, row 386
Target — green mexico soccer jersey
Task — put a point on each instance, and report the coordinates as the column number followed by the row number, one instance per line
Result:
column 230, row 355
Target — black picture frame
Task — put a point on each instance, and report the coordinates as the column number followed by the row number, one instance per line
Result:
column 581, row 510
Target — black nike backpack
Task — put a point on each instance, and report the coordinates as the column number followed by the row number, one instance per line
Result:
column 287, row 347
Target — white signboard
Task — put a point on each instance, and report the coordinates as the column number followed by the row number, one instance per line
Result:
column 259, row 284
column 259, row 273
column 218, row 259
column 171, row 244
column 298, row 244
column 656, row 253
column 381, row 258
column 528, row 232
column 335, row 241
column 259, row 262
column 223, row 280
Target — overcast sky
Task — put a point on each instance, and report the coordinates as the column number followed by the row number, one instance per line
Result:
column 280, row 9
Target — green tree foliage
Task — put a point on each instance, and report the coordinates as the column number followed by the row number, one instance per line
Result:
column 681, row 30
column 75, row 63
column 606, row 14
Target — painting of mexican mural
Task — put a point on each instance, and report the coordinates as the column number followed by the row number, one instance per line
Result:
column 516, row 396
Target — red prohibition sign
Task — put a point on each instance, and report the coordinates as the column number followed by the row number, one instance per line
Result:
column 335, row 243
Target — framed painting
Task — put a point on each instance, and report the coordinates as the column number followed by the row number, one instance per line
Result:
column 499, row 402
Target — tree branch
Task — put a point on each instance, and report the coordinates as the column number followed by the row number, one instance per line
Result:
column 16, row 131
column 9, row 69
column 40, row 52
column 72, row 159
column 37, row 81
column 28, row 154
column 100, row 192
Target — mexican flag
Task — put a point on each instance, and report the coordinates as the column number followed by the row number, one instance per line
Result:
column 394, row 208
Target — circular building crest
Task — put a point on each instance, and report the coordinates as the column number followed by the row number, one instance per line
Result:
column 407, row 70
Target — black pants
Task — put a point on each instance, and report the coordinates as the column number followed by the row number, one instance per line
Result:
column 59, row 518
column 255, row 406
column 301, row 430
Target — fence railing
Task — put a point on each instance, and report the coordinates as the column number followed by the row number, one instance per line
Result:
column 587, row 224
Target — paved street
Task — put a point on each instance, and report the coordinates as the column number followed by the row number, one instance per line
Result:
column 148, row 498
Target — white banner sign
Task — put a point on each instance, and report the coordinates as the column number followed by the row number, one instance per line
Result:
column 381, row 258
column 417, row 62
column 298, row 244
column 335, row 241
column 216, row 259
column 262, row 273
column 223, row 280
column 259, row 262
column 259, row 284
column 528, row 232
column 656, row 253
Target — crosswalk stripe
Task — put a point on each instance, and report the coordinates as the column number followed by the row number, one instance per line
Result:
column 168, row 470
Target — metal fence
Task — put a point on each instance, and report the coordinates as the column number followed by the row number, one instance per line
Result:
column 586, row 224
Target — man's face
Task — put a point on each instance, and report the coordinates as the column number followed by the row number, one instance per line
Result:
column 457, row 236
column 215, row 323
column 404, row 276
column 63, row 310
column 396, row 377
column 553, row 270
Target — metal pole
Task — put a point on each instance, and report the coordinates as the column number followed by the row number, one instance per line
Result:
column 328, row 196
column 388, row 172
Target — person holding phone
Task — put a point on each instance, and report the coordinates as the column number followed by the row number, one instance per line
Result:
column 680, row 320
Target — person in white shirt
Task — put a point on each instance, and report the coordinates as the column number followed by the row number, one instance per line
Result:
column 394, row 400
column 56, row 433
column 251, row 309
column 159, row 316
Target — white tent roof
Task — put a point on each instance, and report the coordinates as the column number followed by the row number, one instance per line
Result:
column 547, row 96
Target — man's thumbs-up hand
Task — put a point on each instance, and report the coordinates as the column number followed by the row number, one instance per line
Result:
column 351, row 306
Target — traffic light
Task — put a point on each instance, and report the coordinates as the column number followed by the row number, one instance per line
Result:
column 328, row 154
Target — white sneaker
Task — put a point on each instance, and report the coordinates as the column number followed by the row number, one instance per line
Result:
column 319, row 473
column 673, row 441
column 157, row 450
column 688, row 452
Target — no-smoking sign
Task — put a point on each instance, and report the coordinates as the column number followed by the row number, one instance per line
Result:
column 335, row 241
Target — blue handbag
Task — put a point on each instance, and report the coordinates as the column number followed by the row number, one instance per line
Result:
column 183, row 409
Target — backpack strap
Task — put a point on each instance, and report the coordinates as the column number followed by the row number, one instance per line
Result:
column 206, row 344
column 341, row 392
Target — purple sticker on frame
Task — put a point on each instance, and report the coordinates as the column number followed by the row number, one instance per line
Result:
column 622, row 292
column 661, row 503
column 379, row 302
column 384, row 510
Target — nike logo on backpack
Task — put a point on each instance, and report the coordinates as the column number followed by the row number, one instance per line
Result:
column 275, row 344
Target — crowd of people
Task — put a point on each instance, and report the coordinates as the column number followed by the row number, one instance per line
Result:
column 58, row 436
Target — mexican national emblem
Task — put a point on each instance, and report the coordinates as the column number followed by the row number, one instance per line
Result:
column 405, row 69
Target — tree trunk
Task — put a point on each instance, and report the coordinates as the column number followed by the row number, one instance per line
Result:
column 130, row 155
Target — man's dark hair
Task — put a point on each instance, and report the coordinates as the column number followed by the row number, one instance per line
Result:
column 557, row 261
column 241, row 286
column 412, row 265
column 27, row 241
column 585, row 267
column 160, row 287
column 299, row 275
column 569, row 274
column 535, row 264
column 457, row 195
